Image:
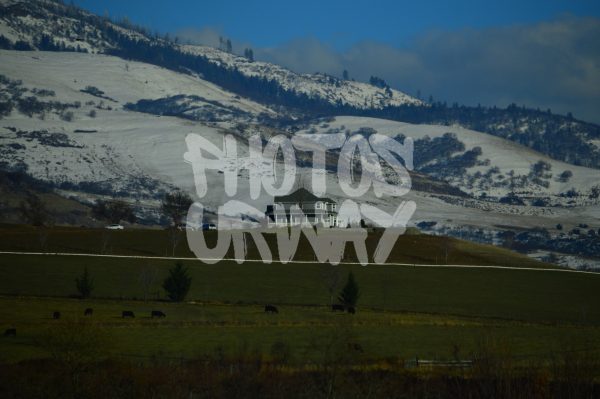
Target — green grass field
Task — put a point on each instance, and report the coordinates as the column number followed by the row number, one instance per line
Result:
column 193, row 329
column 403, row 311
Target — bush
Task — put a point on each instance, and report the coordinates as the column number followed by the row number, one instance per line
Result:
column 540, row 169
column 67, row 116
column 539, row 202
column 6, row 108
column 571, row 193
column 94, row 91
column 565, row 176
column 30, row 106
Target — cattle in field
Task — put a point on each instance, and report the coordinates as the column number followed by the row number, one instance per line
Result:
column 56, row 315
column 10, row 332
column 88, row 312
column 351, row 310
column 337, row 308
column 355, row 347
column 127, row 313
column 271, row 309
column 157, row 313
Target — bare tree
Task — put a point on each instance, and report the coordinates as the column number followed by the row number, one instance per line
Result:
column 175, row 206
column 105, row 242
column 147, row 278
column 33, row 210
column 175, row 235
column 332, row 278
column 113, row 211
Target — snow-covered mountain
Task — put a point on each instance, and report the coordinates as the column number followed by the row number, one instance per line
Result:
column 38, row 23
column 80, row 102
column 43, row 23
column 69, row 126
column 333, row 90
column 53, row 26
column 94, row 124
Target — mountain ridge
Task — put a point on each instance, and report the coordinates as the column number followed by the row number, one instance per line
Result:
column 54, row 26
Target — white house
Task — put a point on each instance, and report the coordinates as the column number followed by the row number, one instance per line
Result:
column 312, row 210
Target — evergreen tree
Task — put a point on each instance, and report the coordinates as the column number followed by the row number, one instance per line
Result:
column 178, row 283
column 84, row 284
column 350, row 293
column 249, row 54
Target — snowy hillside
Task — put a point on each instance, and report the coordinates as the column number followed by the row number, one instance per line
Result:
column 67, row 29
column 93, row 141
column 335, row 91
column 29, row 21
column 501, row 166
column 115, row 143
column 102, row 85
column 121, row 81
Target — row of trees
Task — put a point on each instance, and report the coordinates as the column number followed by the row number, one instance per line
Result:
column 178, row 283
column 174, row 207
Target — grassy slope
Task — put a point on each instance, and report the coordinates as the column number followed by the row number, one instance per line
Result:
column 523, row 295
column 14, row 189
column 403, row 311
column 420, row 249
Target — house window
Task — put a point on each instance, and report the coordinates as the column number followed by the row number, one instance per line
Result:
column 319, row 205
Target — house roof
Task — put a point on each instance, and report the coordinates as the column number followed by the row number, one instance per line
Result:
column 300, row 196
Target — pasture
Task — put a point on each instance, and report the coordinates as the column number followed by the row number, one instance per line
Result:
column 404, row 312
column 307, row 334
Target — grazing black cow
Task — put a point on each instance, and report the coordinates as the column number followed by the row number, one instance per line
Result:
column 351, row 310
column 271, row 309
column 338, row 308
column 88, row 312
column 157, row 313
column 127, row 313
column 355, row 347
column 56, row 315
column 10, row 332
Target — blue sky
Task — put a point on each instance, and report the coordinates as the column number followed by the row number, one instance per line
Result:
column 541, row 54
column 338, row 23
